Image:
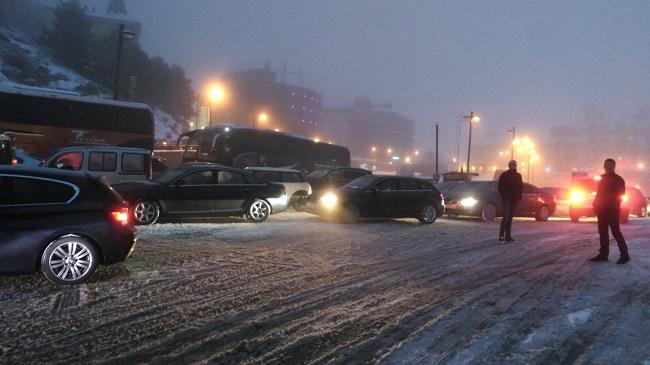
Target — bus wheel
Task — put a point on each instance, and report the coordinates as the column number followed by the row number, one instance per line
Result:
column 258, row 211
column 145, row 212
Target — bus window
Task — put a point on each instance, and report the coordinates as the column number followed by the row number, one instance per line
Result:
column 68, row 161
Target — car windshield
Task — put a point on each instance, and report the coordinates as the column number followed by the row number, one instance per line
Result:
column 169, row 175
column 318, row 174
column 361, row 183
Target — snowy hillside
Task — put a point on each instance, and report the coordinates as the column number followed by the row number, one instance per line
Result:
column 23, row 62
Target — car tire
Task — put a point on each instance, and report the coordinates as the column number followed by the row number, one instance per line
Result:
column 543, row 213
column 489, row 212
column 69, row 260
column 145, row 212
column 643, row 212
column 299, row 201
column 350, row 214
column 258, row 211
column 428, row 214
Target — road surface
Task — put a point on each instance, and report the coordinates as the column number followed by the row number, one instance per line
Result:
column 296, row 290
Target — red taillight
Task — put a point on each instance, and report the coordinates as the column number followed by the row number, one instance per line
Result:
column 14, row 162
column 121, row 216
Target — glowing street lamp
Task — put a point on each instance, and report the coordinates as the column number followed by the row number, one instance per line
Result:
column 216, row 95
column 373, row 149
column 390, row 150
column 261, row 118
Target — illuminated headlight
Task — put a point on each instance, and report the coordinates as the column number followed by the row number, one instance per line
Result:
column 328, row 200
column 577, row 196
column 468, row 202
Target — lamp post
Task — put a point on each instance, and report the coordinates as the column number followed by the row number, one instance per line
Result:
column 471, row 118
column 122, row 34
column 512, row 145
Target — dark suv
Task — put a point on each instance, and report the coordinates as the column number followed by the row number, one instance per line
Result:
column 63, row 222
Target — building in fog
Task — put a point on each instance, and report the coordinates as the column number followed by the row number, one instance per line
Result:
column 371, row 131
column 287, row 107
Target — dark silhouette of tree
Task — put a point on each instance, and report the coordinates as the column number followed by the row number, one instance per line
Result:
column 70, row 38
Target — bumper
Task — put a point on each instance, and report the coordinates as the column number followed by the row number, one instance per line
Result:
column 457, row 209
column 279, row 205
column 119, row 244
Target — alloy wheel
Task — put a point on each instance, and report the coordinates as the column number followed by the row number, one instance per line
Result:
column 259, row 210
column 145, row 212
column 428, row 214
column 70, row 259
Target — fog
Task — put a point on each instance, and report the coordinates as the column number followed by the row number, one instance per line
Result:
column 529, row 64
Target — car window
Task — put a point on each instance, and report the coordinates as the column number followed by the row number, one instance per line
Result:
column 68, row 161
column 318, row 174
column 337, row 175
column 205, row 177
column 352, row 174
column 388, row 185
column 265, row 175
column 231, row 178
column 529, row 189
column 133, row 162
column 102, row 161
column 29, row 191
column 290, row 177
column 410, row 185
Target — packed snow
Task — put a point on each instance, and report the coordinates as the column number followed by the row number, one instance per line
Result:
column 297, row 290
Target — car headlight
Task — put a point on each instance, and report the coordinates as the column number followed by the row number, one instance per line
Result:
column 329, row 200
column 577, row 196
column 468, row 202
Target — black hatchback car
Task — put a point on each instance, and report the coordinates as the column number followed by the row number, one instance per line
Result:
column 481, row 199
column 201, row 190
column 374, row 196
column 63, row 222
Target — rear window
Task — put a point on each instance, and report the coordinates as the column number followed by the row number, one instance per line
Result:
column 102, row 161
column 133, row 162
column 16, row 190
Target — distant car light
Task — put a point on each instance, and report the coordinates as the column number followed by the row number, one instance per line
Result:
column 577, row 196
column 468, row 202
column 329, row 200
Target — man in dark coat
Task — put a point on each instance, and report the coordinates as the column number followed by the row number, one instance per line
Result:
column 607, row 206
column 510, row 187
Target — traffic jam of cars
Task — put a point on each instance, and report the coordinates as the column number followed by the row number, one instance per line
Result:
column 79, row 208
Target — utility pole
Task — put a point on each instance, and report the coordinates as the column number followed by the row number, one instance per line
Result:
column 471, row 118
column 512, row 145
column 122, row 34
column 437, row 148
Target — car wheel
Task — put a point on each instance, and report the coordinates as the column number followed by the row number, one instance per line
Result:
column 575, row 218
column 542, row 214
column 258, row 211
column 145, row 212
column 489, row 212
column 69, row 260
column 299, row 202
column 643, row 212
column 428, row 214
column 350, row 213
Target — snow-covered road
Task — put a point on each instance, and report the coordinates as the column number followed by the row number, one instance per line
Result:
column 299, row 290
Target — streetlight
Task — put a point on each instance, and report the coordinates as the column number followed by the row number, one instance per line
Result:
column 261, row 118
column 373, row 149
column 216, row 94
column 471, row 118
column 122, row 34
column 390, row 150
column 512, row 146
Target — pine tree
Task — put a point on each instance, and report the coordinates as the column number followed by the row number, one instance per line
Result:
column 70, row 38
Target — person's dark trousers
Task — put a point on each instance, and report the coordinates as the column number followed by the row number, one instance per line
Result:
column 508, row 213
column 606, row 220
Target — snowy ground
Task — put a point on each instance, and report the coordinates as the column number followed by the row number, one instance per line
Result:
column 298, row 290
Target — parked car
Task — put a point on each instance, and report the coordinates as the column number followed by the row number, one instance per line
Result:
column 202, row 190
column 64, row 223
column 298, row 190
column 562, row 199
column 27, row 159
column 333, row 177
column 637, row 202
column 6, row 150
column 583, row 193
column 373, row 196
column 481, row 199
column 115, row 164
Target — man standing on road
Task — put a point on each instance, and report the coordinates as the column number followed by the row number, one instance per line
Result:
column 607, row 206
column 510, row 187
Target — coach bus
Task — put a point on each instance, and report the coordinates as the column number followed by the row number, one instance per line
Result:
column 42, row 121
column 241, row 147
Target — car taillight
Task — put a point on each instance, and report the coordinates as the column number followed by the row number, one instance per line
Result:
column 121, row 216
column 14, row 162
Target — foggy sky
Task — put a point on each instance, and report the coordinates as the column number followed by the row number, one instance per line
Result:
column 526, row 63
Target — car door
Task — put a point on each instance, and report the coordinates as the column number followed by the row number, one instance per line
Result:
column 411, row 196
column 384, row 198
column 529, row 201
column 232, row 191
column 193, row 193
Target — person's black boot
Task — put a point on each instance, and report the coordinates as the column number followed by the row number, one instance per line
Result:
column 623, row 260
column 501, row 238
column 510, row 239
column 598, row 258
